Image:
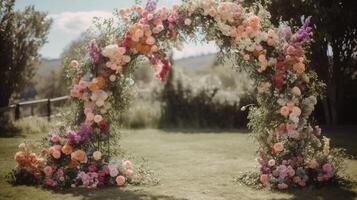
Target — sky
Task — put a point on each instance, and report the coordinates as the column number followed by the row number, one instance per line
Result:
column 72, row 17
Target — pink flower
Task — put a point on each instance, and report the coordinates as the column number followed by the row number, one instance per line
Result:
column 129, row 173
column 22, row 146
column 74, row 63
column 283, row 170
column 302, row 183
column 284, row 111
column 128, row 164
column 98, row 118
column 48, row 171
column 60, row 172
column 271, row 162
column 294, row 134
column 327, row 167
column 55, row 137
column 188, row 21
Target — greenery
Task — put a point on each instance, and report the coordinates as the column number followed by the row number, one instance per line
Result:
column 22, row 33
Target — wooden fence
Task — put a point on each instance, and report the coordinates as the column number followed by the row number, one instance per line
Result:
column 17, row 107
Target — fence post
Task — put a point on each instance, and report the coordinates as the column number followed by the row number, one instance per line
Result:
column 49, row 109
column 32, row 113
column 17, row 112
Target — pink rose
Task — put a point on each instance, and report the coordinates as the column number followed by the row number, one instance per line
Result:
column 55, row 137
column 271, row 162
column 48, row 171
column 129, row 173
column 327, row 167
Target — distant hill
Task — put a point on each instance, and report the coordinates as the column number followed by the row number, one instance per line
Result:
column 196, row 62
column 189, row 63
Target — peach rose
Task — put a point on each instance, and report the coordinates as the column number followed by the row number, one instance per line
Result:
column 313, row 164
column 67, row 149
column 20, row 156
column 278, row 147
column 120, row 180
column 78, row 155
column 284, row 111
column 299, row 67
column 56, row 154
column 264, row 179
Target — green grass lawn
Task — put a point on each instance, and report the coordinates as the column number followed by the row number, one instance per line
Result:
column 197, row 166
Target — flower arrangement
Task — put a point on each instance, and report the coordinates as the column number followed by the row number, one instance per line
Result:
column 292, row 152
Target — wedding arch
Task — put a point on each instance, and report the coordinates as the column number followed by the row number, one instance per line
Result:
column 292, row 152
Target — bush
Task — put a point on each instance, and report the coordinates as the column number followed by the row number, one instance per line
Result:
column 203, row 105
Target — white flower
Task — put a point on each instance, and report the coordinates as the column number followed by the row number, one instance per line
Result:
column 97, row 155
column 111, row 51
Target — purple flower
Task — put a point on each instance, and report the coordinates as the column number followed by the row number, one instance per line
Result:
column 304, row 32
column 81, row 136
column 151, row 5
column 265, row 169
column 93, row 51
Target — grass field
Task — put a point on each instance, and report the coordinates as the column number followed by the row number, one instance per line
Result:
column 190, row 165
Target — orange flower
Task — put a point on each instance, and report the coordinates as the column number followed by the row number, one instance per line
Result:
column 78, row 155
column 254, row 22
column 100, row 81
column 67, row 149
column 93, row 87
column 299, row 67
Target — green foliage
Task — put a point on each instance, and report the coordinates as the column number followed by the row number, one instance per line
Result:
column 198, row 107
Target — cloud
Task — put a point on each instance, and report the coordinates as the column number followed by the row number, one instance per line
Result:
column 75, row 23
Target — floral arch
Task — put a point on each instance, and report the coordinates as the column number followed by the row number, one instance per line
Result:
column 291, row 152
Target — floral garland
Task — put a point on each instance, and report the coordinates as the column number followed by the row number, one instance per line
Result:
column 292, row 152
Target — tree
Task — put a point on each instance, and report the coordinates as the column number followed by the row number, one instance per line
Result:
column 22, row 33
column 333, row 51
